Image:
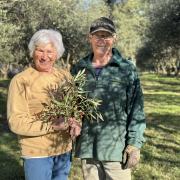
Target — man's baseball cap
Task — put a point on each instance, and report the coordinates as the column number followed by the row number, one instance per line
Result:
column 102, row 24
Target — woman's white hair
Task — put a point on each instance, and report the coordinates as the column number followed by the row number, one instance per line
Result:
column 45, row 36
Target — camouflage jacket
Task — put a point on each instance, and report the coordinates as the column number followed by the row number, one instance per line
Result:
column 118, row 86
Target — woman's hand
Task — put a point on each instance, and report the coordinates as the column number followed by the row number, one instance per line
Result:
column 60, row 124
column 75, row 128
column 72, row 125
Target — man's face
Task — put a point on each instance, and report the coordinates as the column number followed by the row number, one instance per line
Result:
column 44, row 57
column 101, row 42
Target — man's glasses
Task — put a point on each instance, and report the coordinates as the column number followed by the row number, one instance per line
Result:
column 102, row 37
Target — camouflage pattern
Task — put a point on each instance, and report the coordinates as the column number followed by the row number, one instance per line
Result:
column 118, row 86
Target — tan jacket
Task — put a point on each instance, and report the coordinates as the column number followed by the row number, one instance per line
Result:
column 27, row 91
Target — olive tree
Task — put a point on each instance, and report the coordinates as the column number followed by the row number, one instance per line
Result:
column 71, row 17
column 163, row 37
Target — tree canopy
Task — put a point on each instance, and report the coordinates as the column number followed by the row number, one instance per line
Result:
column 162, row 47
column 20, row 19
column 148, row 31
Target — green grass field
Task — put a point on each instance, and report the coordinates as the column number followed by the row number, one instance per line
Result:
column 160, row 156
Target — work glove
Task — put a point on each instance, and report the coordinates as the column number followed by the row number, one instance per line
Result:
column 131, row 157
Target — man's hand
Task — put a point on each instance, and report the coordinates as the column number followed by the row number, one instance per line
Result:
column 131, row 157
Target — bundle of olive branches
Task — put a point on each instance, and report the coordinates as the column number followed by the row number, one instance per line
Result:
column 70, row 100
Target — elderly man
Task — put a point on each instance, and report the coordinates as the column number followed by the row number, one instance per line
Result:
column 110, row 148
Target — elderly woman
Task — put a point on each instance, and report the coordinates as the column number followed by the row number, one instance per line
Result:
column 45, row 148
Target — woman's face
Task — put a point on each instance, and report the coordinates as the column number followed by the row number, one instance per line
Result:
column 44, row 57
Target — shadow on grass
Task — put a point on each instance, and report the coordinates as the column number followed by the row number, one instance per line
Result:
column 166, row 139
column 3, row 98
column 4, row 83
column 161, row 83
column 10, row 167
column 160, row 88
column 163, row 98
column 161, row 79
column 164, row 80
column 10, row 163
column 148, row 157
column 170, row 122
column 166, row 127
column 167, row 148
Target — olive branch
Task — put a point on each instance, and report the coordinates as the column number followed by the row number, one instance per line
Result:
column 70, row 100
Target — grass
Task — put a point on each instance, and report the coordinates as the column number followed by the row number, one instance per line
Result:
column 160, row 154
column 160, row 157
